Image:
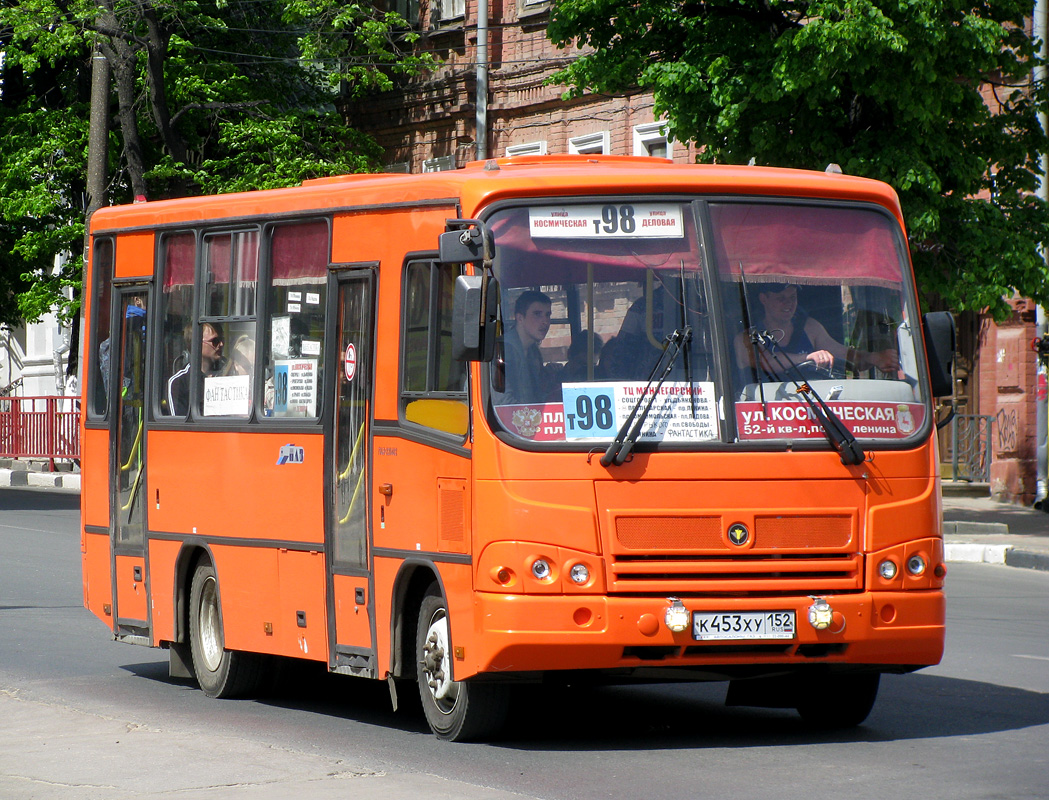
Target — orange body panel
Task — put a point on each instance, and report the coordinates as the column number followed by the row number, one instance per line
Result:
column 229, row 484
column 98, row 577
column 133, row 603
column 352, row 623
column 134, row 255
column 94, row 477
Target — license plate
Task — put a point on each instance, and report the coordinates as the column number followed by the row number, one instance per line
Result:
column 708, row 626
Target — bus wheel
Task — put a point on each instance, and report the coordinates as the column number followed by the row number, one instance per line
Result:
column 457, row 711
column 840, row 701
column 220, row 672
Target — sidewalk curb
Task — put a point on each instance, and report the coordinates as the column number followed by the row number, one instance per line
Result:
column 47, row 480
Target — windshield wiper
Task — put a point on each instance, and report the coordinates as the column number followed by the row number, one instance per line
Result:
column 629, row 432
column 834, row 429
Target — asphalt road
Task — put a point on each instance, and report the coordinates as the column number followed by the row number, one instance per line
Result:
column 82, row 716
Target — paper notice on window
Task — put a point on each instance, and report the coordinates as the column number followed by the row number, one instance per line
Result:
column 280, row 336
column 295, row 387
column 227, row 395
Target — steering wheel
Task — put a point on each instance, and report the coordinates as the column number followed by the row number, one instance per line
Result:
column 837, row 369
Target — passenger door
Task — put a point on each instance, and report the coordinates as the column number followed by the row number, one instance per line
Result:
column 349, row 477
column 128, row 373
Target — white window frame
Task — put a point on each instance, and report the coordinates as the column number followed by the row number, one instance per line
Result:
column 652, row 133
column 590, row 143
column 451, row 9
column 439, row 164
column 526, row 149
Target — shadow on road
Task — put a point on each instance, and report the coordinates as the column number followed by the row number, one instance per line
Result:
column 664, row 716
column 15, row 499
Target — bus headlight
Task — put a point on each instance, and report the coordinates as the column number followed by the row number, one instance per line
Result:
column 541, row 569
column 888, row 569
column 579, row 574
column 676, row 616
column 916, row 565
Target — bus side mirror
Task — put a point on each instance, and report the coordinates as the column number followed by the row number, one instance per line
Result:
column 474, row 328
column 939, row 332
column 465, row 246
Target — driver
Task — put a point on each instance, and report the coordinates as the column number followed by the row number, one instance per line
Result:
column 799, row 337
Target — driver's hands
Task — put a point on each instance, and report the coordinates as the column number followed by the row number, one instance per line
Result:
column 885, row 360
column 821, row 358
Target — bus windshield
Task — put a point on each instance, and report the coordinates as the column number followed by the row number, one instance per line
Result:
column 719, row 321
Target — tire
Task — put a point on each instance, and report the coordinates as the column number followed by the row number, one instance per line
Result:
column 836, row 702
column 219, row 672
column 457, row 711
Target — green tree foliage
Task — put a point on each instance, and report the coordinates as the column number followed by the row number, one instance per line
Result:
column 935, row 97
column 207, row 96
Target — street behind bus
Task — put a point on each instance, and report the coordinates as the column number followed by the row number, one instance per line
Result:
column 86, row 717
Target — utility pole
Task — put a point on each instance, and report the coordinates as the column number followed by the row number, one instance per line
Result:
column 97, row 153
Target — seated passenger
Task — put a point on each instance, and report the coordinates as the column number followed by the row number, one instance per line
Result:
column 576, row 368
column 526, row 379
column 797, row 338
column 211, row 363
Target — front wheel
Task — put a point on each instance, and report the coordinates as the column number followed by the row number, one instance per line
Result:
column 840, row 701
column 220, row 672
column 456, row 711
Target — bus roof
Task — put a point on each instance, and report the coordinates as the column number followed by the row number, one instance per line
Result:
column 480, row 183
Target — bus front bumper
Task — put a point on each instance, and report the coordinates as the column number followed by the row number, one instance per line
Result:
column 526, row 633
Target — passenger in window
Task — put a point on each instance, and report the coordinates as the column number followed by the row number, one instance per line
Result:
column 526, row 379
column 797, row 337
column 577, row 366
column 211, row 363
column 241, row 357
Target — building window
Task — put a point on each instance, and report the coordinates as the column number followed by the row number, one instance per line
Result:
column 439, row 164
column 527, row 149
column 590, row 144
column 653, row 139
column 399, row 167
column 409, row 9
column 450, row 9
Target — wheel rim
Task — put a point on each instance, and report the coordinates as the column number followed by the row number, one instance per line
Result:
column 437, row 664
column 209, row 628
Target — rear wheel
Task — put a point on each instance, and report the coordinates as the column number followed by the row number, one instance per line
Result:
column 455, row 710
column 839, row 701
column 220, row 672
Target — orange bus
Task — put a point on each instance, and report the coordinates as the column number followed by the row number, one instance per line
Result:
column 537, row 419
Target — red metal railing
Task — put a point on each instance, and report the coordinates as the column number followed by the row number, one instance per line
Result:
column 40, row 427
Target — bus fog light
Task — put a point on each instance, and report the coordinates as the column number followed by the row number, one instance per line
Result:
column 821, row 615
column 887, row 569
column 579, row 574
column 676, row 616
column 541, row 569
column 916, row 565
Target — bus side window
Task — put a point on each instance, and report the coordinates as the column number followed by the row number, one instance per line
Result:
column 102, row 278
column 178, row 259
column 433, row 384
column 293, row 331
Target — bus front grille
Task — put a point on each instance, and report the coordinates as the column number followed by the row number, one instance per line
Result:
column 779, row 573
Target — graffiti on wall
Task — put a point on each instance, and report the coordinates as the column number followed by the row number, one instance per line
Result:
column 1006, row 422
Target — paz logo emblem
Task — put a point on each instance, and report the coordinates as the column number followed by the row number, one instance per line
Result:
column 738, row 534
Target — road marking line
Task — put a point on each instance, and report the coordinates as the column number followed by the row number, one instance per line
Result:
column 1037, row 658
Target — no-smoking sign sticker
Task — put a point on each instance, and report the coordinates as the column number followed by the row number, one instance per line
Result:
column 349, row 364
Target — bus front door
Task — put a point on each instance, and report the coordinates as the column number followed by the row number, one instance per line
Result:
column 352, row 628
column 127, row 375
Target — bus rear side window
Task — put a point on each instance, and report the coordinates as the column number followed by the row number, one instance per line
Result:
column 102, row 274
column 294, row 329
